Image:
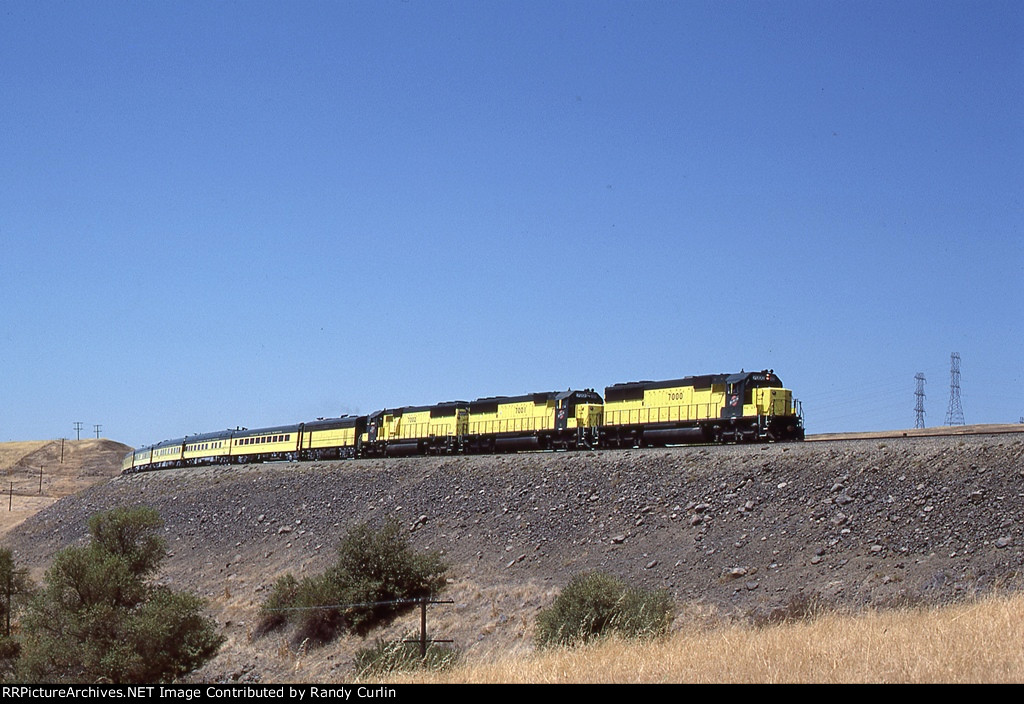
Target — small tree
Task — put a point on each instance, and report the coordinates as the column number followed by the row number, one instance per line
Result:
column 98, row 619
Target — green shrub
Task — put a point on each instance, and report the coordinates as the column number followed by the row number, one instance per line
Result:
column 383, row 658
column 98, row 619
column 643, row 613
column 130, row 533
column 320, row 615
column 283, row 595
column 594, row 604
column 374, row 568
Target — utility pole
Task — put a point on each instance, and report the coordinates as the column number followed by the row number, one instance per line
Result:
column 955, row 412
column 78, row 429
column 919, row 405
column 97, row 428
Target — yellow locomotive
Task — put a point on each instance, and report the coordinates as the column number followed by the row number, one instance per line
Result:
column 541, row 421
column 416, row 430
column 713, row 408
column 744, row 407
column 552, row 420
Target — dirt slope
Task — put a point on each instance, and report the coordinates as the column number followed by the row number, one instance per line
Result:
column 741, row 530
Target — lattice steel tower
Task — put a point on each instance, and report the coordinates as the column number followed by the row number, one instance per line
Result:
column 955, row 413
column 919, row 405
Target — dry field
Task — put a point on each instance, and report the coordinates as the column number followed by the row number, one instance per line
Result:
column 965, row 643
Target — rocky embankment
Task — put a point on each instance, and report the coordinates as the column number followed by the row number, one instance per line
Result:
column 752, row 531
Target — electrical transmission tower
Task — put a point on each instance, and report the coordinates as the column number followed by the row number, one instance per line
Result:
column 97, row 428
column 955, row 413
column 919, row 396
column 78, row 429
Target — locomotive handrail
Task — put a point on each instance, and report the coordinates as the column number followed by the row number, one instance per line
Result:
column 508, row 425
column 415, row 431
column 664, row 414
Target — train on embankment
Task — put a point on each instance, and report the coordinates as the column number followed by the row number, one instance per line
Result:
column 712, row 408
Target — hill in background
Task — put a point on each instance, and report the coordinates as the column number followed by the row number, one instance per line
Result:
column 35, row 474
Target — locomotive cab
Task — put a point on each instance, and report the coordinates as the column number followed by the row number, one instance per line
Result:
column 760, row 398
column 578, row 409
column 578, row 415
column 752, row 394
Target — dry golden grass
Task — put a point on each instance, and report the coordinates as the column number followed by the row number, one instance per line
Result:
column 976, row 642
column 12, row 452
column 64, row 470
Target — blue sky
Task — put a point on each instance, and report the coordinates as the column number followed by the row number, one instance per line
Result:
column 255, row 213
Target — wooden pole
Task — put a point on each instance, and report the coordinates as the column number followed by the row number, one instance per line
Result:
column 423, row 629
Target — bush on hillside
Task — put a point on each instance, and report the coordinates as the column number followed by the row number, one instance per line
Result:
column 374, row 569
column 274, row 611
column 595, row 604
column 97, row 619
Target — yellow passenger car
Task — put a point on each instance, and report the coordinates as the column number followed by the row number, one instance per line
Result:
column 166, row 454
column 208, row 448
column 265, row 444
column 137, row 460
